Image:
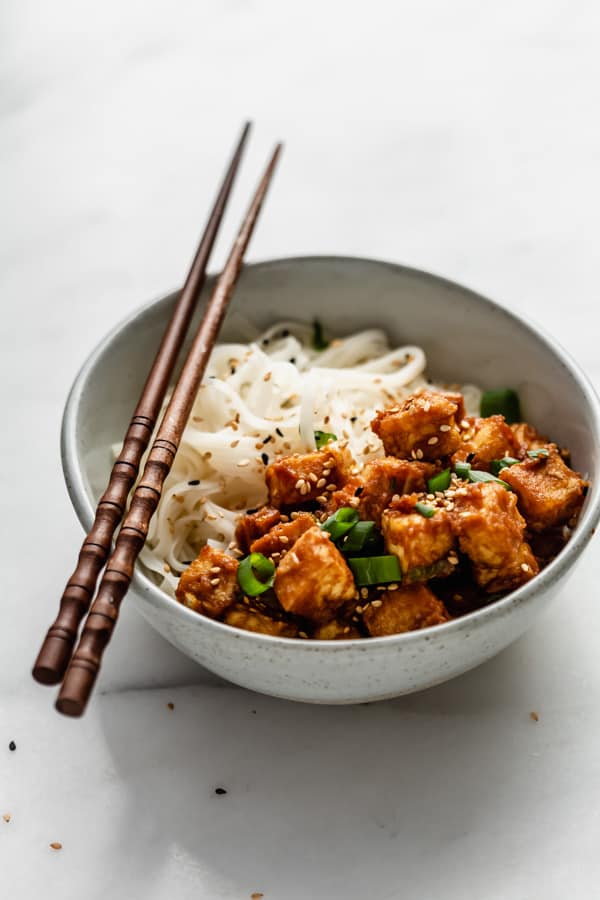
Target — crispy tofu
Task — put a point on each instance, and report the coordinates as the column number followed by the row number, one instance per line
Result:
column 196, row 589
column 254, row 525
column 491, row 531
column 485, row 440
column 527, row 437
column 406, row 609
column 425, row 426
column 417, row 541
column 302, row 477
column 283, row 536
column 372, row 490
column 548, row 491
column 313, row 579
column 336, row 631
column 253, row 620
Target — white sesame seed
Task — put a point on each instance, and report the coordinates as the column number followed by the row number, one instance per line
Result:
column 243, row 462
column 214, row 581
column 395, row 498
column 464, row 424
column 312, row 477
column 453, row 560
column 431, row 496
column 392, row 587
column 299, row 484
column 432, row 440
column 358, row 609
column 525, row 567
column 215, row 569
column 305, row 489
column 419, row 454
column 331, row 487
column 376, row 603
column 211, row 517
column 284, row 539
column 364, row 593
column 444, row 427
column 321, row 482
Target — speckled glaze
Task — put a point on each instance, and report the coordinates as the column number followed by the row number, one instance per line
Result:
column 466, row 338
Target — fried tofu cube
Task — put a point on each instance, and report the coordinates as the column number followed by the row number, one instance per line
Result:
column 209, row 585
column 372, row 490
column 406, row 609
column 490, row 532
column 313, row 579
column 417, row 541
column 425, row 426
column 336, row 631
column 485, row 440
column 283, row 536
column 254, row 525
column 302, row 477
column 253, row 620
column 527, row 437
column 548, row 491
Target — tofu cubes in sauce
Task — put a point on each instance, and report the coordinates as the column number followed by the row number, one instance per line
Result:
column 457, row 512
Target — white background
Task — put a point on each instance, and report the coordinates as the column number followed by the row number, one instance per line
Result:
column 459, row 137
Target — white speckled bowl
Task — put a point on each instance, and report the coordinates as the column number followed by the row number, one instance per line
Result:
column 467, row 338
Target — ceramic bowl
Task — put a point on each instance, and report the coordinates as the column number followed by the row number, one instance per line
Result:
column 467, row 338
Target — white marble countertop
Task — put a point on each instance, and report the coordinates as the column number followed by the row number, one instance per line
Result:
column 462, row 138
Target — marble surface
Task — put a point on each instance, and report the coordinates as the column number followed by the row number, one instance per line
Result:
column 461, row 138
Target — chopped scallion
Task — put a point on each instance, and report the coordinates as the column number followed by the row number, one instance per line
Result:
column 362, row 537
column 462, row 469
column 497, row 465
column 439, row 482
column 340, row 522
column 375, row 569
column 324, row 437
column 534, row 454
column 503, row 402
column 255, row 574
column 478, row 477
column 425, row 510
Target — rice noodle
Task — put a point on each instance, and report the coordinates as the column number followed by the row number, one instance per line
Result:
column 281, row 389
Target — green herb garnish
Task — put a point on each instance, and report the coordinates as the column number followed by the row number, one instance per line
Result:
column 439, row 482
column 255, row 574
column 375, row 569
column 324, row 437
column 503, row 402
column 319, row 342
column 424, row 510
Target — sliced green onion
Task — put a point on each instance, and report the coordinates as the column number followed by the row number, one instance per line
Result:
column 425, row 510
column 255, row 574
column 439, row 482
column 462, row 469
column 534, row 454
column 340, row 522
column 362, row 536
column 319, row 342
column 438, row 569
column 375, row 569
column 503, row 402
column 478, row 477
column 497, row 465
column 324, row 437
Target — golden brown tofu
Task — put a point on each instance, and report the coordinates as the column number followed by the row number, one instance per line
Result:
column 254, row 525
column 336, row 631
column 209, row 586
column 406, row 609
column 313, row 579
column 485, row 440
column 302, row 477
column 425, row 426
column 253, row 620
column 527, row 437
column 372, row 490
column 283, row 536
column 548, row 491
column 491, row 533
column 419, row 542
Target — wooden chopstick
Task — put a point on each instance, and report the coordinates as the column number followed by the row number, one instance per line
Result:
column 86, row 661
column 56, row 650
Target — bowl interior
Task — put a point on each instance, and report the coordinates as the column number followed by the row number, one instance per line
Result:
column 466, row 338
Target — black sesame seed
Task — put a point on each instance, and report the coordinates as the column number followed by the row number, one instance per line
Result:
column 249, row 512
column 232, row 370
column 187, row 562
column 285, row 333
column 194, row 482
column 268, row 438
column 12, row 746
column 358, row 491
column 265, row 342
column 353, row 419
column 279, row 432
column 220, row 791
column 293, row 359
column 265, row 458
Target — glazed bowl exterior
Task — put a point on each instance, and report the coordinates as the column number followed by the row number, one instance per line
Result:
column 467, row 338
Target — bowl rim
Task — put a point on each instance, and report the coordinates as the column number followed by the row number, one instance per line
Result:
column 151, row 593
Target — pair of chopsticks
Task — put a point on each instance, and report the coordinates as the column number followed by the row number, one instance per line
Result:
column 56, row 658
